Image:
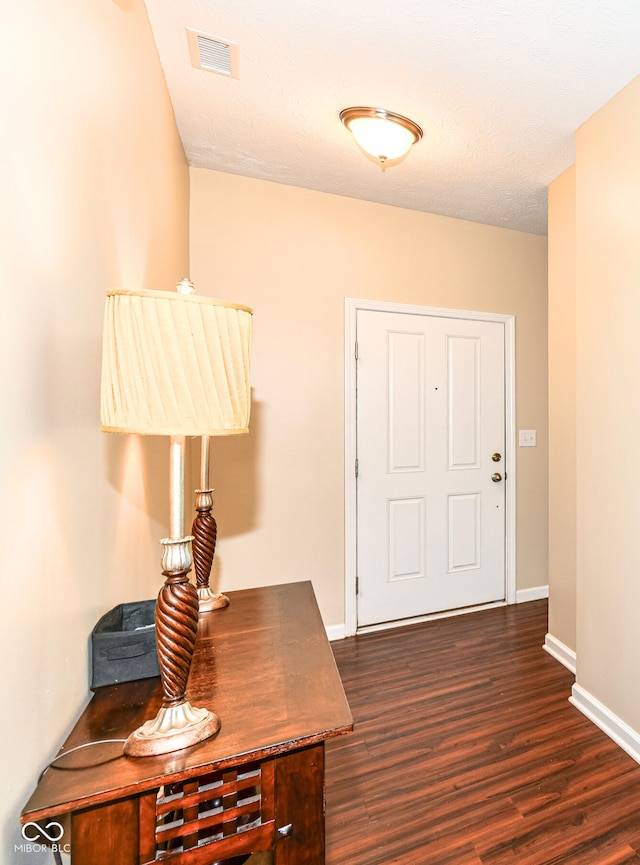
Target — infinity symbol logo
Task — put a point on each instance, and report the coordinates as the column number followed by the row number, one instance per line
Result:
column 55, row 828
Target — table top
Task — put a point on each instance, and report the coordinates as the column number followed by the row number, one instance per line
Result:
column 263, row 665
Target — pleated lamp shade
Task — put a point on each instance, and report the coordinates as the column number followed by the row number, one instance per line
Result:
column 175, row 364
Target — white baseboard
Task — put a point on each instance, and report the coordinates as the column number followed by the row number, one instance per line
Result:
column 534, row 594
column 615, row 728
column 560, row 652
column 336, row 632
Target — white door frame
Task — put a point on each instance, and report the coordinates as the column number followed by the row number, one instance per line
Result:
column 351, row 307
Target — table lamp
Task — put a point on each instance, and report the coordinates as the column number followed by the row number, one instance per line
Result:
column 175, row 364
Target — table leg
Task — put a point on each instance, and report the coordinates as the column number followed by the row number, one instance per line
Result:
column 299, row 807
column 106, row 834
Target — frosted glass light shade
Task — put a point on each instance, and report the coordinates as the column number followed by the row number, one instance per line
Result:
column 384, row 135
column 175, row 364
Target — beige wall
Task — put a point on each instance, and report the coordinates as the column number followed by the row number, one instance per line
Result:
column 95, row 193
column 294, row 255
column 562, row 409
column 608, row 404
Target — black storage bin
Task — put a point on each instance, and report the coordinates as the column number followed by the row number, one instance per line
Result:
column 123, row 645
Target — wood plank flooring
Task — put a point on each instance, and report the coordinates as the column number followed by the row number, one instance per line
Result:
column 466, row 751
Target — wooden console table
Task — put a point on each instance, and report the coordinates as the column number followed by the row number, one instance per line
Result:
column 264, row 665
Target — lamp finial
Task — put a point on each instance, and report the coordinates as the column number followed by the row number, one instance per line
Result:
column 185, row 286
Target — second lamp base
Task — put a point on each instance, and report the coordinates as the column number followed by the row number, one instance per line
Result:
column 208, row 600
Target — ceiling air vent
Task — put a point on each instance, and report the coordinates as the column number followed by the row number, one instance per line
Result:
column 213, row 54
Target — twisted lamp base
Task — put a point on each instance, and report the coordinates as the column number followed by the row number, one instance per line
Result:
column 178, row 724
column 205, row 534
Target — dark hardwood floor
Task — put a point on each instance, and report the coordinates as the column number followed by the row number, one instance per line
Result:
column 466, row 751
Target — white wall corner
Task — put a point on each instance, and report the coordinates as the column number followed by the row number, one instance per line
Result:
column 560, row 652
column 622, row 734
column 336, row 632
column 534, row 594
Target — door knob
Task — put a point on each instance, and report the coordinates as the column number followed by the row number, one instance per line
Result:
column 496, row 457
column 496, row 477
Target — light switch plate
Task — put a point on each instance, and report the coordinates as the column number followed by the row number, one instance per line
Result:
column 527, row 438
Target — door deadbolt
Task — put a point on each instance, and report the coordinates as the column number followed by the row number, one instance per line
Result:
column 496, row 457
column 496, row 477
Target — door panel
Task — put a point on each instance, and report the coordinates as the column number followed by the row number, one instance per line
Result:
column 406, row 399
column 464, row 402
column 407, row 541
column 430, row 413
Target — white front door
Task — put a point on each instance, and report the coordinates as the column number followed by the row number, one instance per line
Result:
column 431, row 464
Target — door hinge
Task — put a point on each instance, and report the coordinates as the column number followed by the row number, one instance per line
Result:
column 356, row 468
column 355, row 354
column 357, row 585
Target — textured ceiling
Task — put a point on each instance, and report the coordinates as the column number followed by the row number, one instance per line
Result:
column 498, row 87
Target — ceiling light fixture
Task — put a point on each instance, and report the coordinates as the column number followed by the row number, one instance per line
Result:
column 385, row 137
